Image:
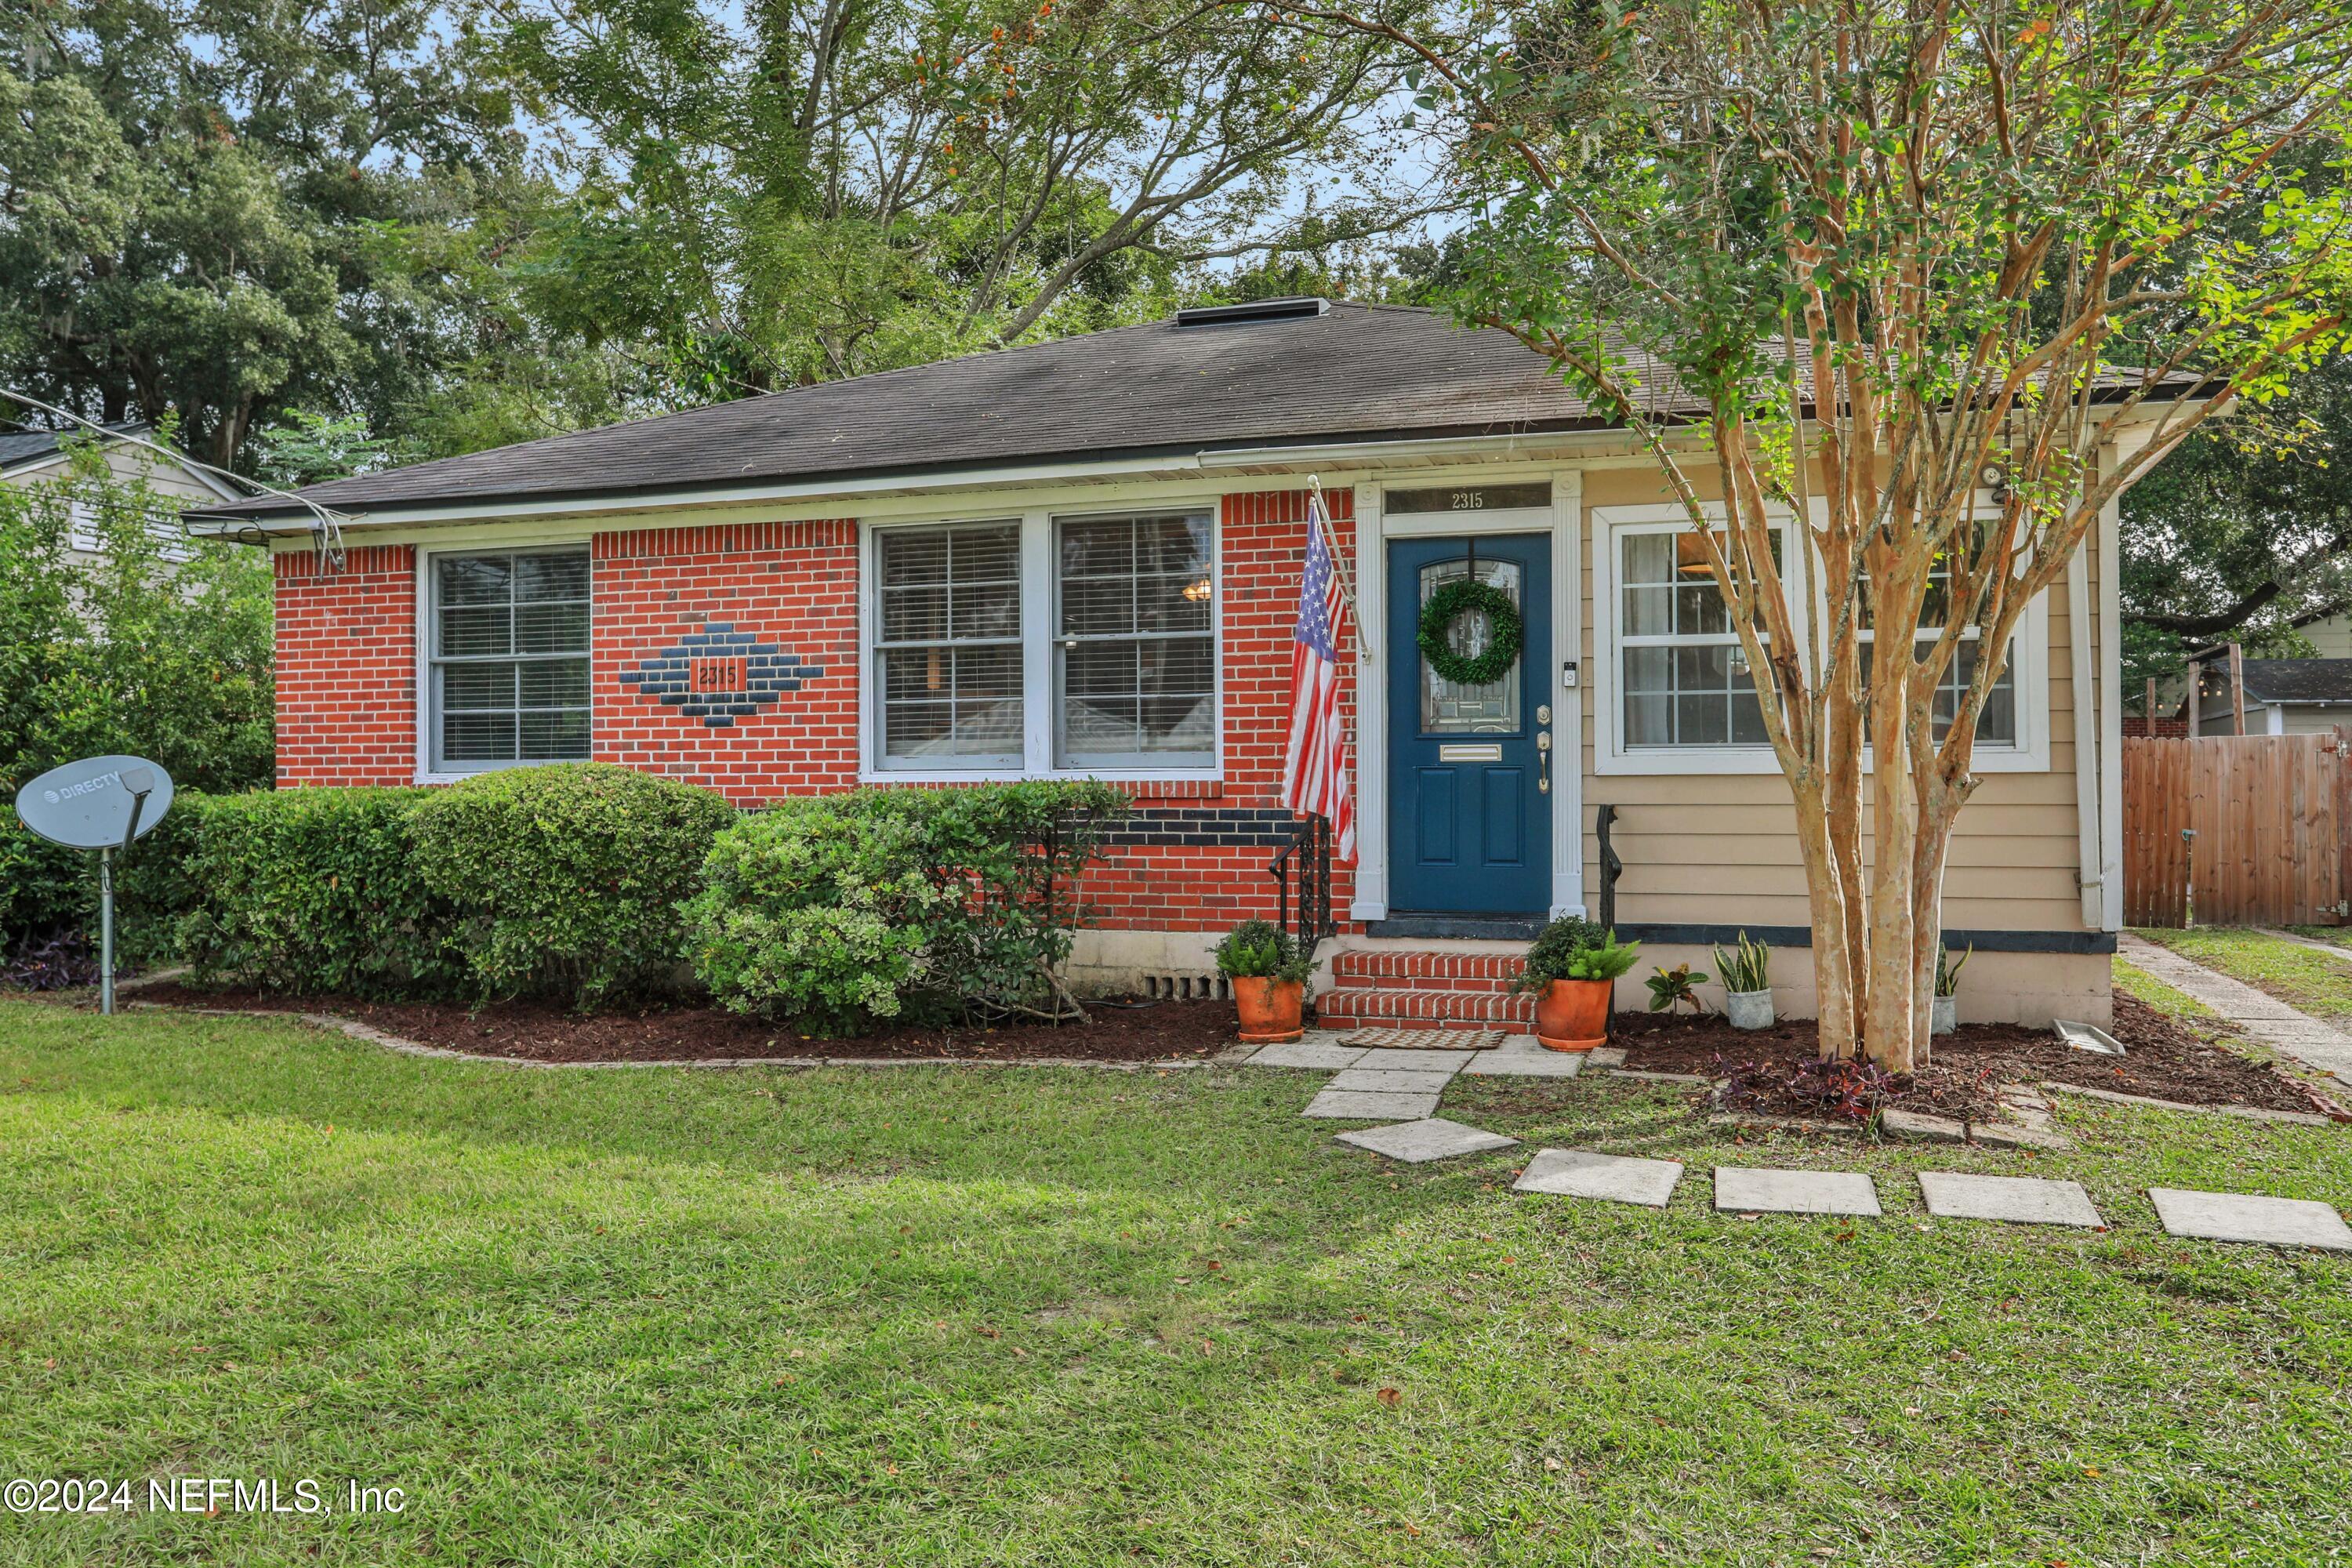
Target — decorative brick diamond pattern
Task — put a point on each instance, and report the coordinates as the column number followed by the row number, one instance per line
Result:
column 719, row 675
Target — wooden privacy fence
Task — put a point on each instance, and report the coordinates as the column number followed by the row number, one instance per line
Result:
column 2268, row 813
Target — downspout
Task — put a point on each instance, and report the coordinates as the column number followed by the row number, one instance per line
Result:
column 2111, row 717
column 2088, row 859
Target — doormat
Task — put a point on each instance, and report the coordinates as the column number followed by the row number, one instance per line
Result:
column 1425, row 1040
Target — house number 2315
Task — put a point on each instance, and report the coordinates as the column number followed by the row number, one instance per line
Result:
column 1469, row 500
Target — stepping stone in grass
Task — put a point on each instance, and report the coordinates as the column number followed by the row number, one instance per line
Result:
column 1367, row 1105
column 1578, row 1173
column 1747, row 1191
column 1529, row 1061
column 1316, row 1054
column 1385, row 1081
column 1448, row 1062
column 2026, row 1200
column 1417, row 1142
column 2236, row 1216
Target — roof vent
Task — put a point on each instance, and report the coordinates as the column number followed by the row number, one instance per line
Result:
column 1253, row 310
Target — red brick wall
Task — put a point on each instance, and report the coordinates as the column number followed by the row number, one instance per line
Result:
column 347, row 667
column 1198, row 887
column 1195, row 858
column 792, row 587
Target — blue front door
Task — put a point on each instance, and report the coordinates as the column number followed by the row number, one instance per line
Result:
column 1469, row 819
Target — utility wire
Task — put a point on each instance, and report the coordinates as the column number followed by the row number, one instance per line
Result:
column 326, row 525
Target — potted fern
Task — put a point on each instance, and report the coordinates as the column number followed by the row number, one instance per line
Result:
column 1268, row 972
column 1746, row 973
column 1572, row 968
column 1944, row 1015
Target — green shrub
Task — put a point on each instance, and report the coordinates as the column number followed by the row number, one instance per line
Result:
column 303, row 890
column 886, row 903
column 567, row 878
column 1261, row 947
column 1555, row 948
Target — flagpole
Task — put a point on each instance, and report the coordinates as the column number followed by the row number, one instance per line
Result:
column 1320, row 517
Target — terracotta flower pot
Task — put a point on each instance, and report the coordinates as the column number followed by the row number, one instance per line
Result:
column 1269, row 1008
column 1573, row 1015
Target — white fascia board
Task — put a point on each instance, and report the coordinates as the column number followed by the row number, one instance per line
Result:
column 1229, row 462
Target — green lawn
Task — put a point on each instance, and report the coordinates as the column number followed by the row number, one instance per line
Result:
column 917, row 1316
column 2319, row 984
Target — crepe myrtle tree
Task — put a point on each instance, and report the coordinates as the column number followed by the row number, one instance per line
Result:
column 1900, row 276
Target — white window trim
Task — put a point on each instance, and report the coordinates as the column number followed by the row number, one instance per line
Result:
column 2028, row 658
column 1038, row 598
column 508, row 542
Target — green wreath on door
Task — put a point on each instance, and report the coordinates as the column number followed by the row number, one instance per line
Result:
column 1463, row 596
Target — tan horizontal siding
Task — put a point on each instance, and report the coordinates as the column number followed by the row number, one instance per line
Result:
column 1720, row 850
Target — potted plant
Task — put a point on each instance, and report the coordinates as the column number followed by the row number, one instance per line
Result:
column 1676, row 988
column 1746, row 973
column 1944, row 1016
column 1268, row 972
column 1572, row 968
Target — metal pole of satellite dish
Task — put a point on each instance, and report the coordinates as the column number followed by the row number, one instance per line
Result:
column 106, row 932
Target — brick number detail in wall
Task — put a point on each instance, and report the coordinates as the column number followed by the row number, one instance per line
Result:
column 719, row 675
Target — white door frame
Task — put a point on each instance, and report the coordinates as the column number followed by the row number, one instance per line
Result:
column 1374, row 528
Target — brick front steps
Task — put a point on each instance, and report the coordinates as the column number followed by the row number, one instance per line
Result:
column 1375, row 987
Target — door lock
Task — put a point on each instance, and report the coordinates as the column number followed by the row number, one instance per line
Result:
column 1543, row 762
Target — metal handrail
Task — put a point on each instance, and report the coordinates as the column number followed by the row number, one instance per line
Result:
column 1307, row 856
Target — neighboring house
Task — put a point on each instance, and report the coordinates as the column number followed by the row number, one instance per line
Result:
column 1082, row 558
column 39, row 457
column 2283, row 696
column 2331, row 637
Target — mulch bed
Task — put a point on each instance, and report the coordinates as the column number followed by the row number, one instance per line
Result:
column 1123, row 1030
column 1776, row 1071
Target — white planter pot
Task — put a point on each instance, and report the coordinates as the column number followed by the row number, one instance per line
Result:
column 1750, row 1009
column 1946, row 1016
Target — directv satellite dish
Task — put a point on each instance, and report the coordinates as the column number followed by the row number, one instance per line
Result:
column 101, row 804
column 92, row 804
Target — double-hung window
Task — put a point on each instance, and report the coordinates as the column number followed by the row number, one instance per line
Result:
column 1682, row 676
column 948, row 652
column 1076, row 644
column 1997, row 724
column 508, row 650
column 1135, row 675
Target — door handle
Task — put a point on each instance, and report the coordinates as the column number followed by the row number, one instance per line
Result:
column 1543, row 762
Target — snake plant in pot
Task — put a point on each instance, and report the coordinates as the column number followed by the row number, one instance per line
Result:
column 1746, row 974
column 1574, row 968
column 1944, row 1015
column 1269, row 971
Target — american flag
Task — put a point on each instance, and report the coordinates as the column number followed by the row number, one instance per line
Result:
column 1315, row 768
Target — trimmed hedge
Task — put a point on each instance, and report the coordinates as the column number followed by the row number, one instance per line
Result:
column 882, row 903
column 568, row 878
column 306, row 890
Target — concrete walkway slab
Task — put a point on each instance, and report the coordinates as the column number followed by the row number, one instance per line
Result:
column 1748, row 1191
column 1317, row 1054
column 2237, row 1217
column 1385, row 1081
column 2315, row 1042
column 1417, row 1142
column 2021, row 1200
column 1531, row 1060
column 1360, row 1105
column 1447, row 1062
column 1581, row 1174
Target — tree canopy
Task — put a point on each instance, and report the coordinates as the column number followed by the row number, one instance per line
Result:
column 1882, row 281
column 467, row 222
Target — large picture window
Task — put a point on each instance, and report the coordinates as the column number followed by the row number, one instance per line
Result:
column 1137, row 658
column 508, row 654
column 948, row 648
